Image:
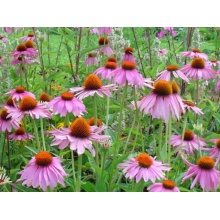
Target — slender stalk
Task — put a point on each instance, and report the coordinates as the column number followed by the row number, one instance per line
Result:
column 3, row 149
column 36, row 134
column 79, row 173
column 107, row 111
column 103, row 165
column 48, row 44
column 149, row 46
column 95, row 122
column 169, row 135
column 174, row 50
column 78, row 54
column 42, row 133
column 9, row 160
column 39, row 48
column 73, row 168
column 58, row 52
column 139, row 55
column 160, row 138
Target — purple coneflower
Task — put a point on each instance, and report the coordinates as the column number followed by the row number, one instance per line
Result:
column 67, row 103
column 20, row 135
column 79, row 136
column 6, row 122
column 3, row 39
column 190, row 106
column 204, row 172
column 106, row 71
column 190, row 142
column 30, row 36
column 43, row 170
column 94, row 31
column 19, row 92
column 106, row 49
column 26, row 60
column 166, row 29
column 165, row 186
column 198, row 70
column 171, row 71
column 214, row 151
column 23, row 50
column 194, row 53
column 29, row 106
column 128, row 73
column 144, row 167
column 128, row 56
column 161, row 103
column 162, row 52
column 91, row 86
column 91, row 60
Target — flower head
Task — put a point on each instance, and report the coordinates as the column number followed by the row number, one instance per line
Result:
column 106, row 71
column 67, row 103
column 6, row 122
column 128, row 73
column 128, row 55
column 30, row 36
column 20, row 135
column 43, row 170
column 91, row 86
column 204, row 172
column 190, row 144
column 79, row 136
column 198, row 70
column 165, row 186
column 23, row 50
column 29, row 106
column 171, row 71
column 91, row 60
column 105, row 49
column 163, row 102
column 195, row 52
column 144, row 167
column 190, row 106
column 19, row 92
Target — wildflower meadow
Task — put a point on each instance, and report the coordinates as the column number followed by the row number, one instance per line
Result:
column 109, row 109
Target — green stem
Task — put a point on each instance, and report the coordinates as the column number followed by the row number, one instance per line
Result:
column 103, row 165
column 42, row 133
column 73, row 168
column 79, row 172
column 160, row 138
column 169, row 135
column 36, row 134
column 107, row 111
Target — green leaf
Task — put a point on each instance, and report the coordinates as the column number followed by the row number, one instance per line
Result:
column 33, row 150
column 88, row 187
column 23, row 188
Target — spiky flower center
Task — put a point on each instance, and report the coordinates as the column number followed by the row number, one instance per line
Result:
column 1, row 37
column 67, row 96
column 19, row 89
column 162, row 88
column 129, row 50
column 4, row 114
column 27, row 103
column 10, row 102
column 168, row 184
column 144, row 160
column 206, row 163
column 128, row 65
column 214, row 60
column 111, row 59
column 189, row 103
column 43, row 159
column 217, row 143
column 90, row 54
column 2, row 181
column 80, row 128
column 198, row 63
column 110, row 65
column 29, row 44
column 103, row 41
column 92, row 82
column 172, row 68
column 196, row 50
column 19, row 131
column 44, row 97
column 21, row 47
column 92, row 122
column 30, row 35
column 175, row 87
column 188, row 135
